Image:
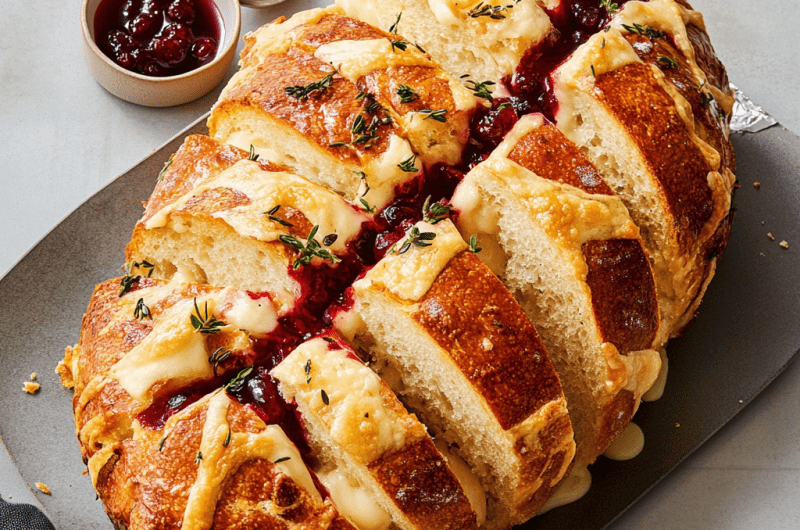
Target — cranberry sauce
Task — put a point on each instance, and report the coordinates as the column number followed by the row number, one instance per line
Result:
column 159, row 37
column 575, row 21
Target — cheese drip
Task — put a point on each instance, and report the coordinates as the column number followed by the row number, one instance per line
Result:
column 220, row 460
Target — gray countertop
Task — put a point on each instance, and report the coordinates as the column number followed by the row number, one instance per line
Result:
column 62, row 138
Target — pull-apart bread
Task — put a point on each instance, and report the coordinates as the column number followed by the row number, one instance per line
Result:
column 419, row 274
column 566, row 247
column 449, row 337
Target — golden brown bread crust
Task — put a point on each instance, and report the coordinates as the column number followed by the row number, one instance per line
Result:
column 623, row 293
column 466, row 306
column 147, row 475
column 325, row 119
column 411, row 474
column 548, row 153
column 198, row 158
column 649, row 115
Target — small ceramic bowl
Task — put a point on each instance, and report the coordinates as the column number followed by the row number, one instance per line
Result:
column 161, row 91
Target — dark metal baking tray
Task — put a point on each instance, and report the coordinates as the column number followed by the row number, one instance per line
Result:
column 747, row 332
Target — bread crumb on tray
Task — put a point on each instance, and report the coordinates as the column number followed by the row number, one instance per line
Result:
column 43, row 488
column 31, row 387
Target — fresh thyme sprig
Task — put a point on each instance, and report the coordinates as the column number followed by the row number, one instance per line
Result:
column 253, row 155
column 417, row 238
column 408, row 165
column 219, row 355
column 308, row 250
column 438, row 115
column 144, row 264
column 644, row 30
column 611, row 7
column 275, row 218
column 302, row 92
column 436, row 212
column 126, row 284
column 307, row 370
column 482, row 89
column 205, row 323
column 393, row 27
column 407, row 94
column 237, row 383
column 493, row 12
column 164, row 170
column 667, row 62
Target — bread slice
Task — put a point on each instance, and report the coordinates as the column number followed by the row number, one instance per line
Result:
column 564, row 244
column 346, row 105
column 641, row 134
column 458, row 349
column 163, row 449
column 366, row 435
column 219, row 217
column 482, row 40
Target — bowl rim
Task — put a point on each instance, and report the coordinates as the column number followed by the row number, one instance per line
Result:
column 221, row 54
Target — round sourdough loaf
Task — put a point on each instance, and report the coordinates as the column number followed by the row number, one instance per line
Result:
column 420, row 273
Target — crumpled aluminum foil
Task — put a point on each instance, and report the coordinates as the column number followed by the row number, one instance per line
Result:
column 747, row 116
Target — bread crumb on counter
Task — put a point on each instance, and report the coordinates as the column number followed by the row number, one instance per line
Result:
column 769, row 235
column 43, row 488
column 756, row 185
column 784, row 244
column 31, row 387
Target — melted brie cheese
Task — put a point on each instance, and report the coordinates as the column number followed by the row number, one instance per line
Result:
column 354, row 59
column 265, row 190
column 221, row 459
column 354, row 502
column 627, row 445
column 172, row 351
column 348, row 399
column 469, row 481
column 410, row 275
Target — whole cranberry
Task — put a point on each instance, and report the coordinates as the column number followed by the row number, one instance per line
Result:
column 152, row 68
column 204, row 47
column 143, row 26
column 130, row 10
column 126, row 60
column 151, row 6
column 178, row 32
column 587, row 16
column 181, row 11
column 120, row 41
column 168, row 51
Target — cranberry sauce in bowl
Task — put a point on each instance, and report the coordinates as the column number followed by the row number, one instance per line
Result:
column 159, row 37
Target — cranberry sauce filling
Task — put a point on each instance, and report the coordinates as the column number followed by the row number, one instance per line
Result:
column 158, row 37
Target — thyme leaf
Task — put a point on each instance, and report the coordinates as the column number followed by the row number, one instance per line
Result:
column 644, row 30
column 407, row 94
column 126, row 284
column 307, row 370
column 438, row 115
column 141, row 311
column 227, row 441
column 481, row 90
column 302, row 92
column 417, row 238
column 205, row 323
column 237, row 383
column 144, row 264
column 408, row 165
column 253, row 156
column 611, row 7
column 282, row 459
column 275, row 218
column 325, row 398
column 486, row 10
column 436, row 212
column 219, row 355
column 308, row 250
column 667, row 62
column 473, row 244
column 393, row 27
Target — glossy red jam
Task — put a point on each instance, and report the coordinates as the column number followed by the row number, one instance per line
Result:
column 159, row 37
